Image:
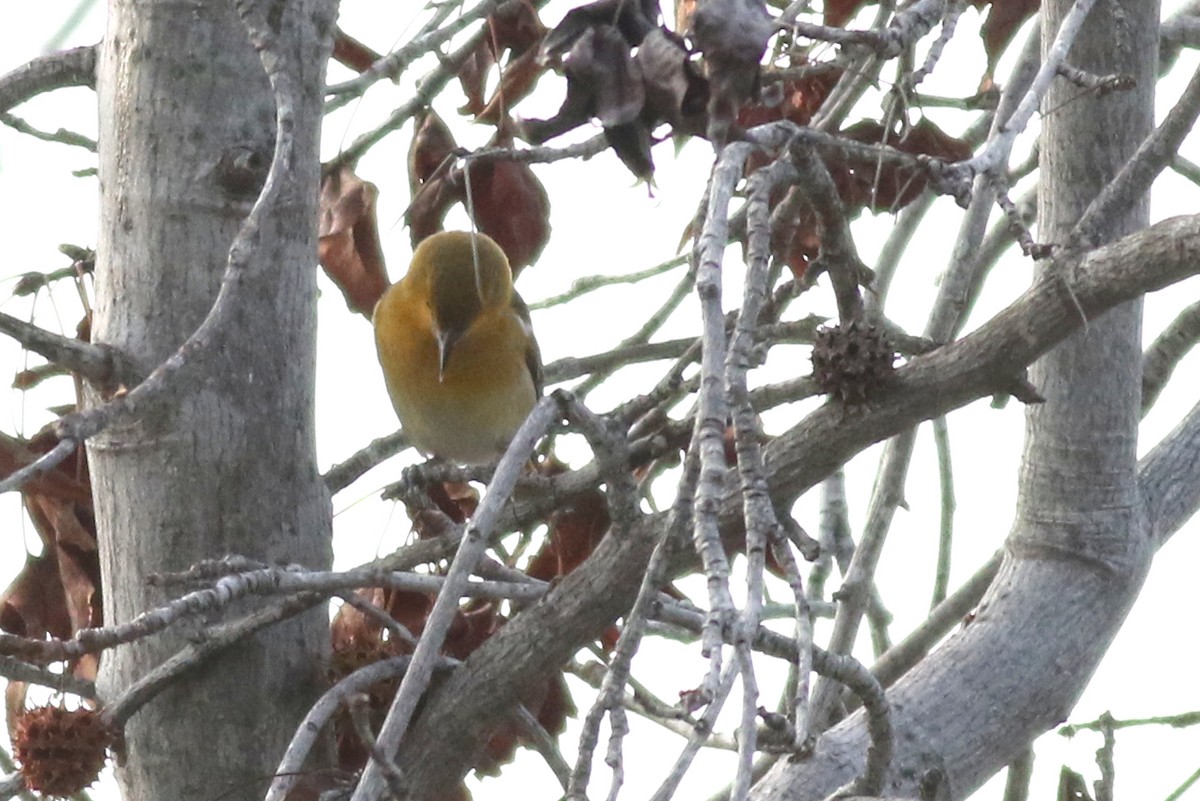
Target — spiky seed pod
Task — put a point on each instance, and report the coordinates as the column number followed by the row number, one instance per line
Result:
column 60, row 751
column 851, row 361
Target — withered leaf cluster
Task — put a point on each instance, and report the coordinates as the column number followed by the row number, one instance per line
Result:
column 631, row 74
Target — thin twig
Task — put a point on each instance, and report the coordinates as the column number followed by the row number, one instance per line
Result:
column 941, row 578
column 712, row 411
column 905, row 29
column 62, row 136
column 16, row 670
column 1136, row 175
column 437, row 624
column 1100, row 84
column 839, row 256
column 393, row 64
column 1104, row 760
column 700, row 734
column 994, row 156
column 215, row 640
column 535, row 734
column 905, row 655
column 1020, row 771
column 308, row 733
column 1183, row 788
column 358, row 704
column 427, row 89
column 44, row 464
column 1165, row 353
column 345, row 473
column 634, row 629
column 588, row 284
column 1179, row 721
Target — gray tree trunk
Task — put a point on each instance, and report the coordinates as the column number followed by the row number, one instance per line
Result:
column 1079, row 549
column 228, row 465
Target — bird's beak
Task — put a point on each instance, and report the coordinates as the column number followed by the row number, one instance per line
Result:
column 446, row 341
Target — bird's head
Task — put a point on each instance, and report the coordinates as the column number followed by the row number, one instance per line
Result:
column 464, row 274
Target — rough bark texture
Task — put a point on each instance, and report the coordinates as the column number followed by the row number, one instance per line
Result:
column 229, row 466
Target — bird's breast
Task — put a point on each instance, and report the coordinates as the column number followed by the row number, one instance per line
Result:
column 483, row 394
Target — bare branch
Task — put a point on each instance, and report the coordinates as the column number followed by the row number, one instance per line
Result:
column 1104, row 760
column 345, row 473
column 1100, row 84
column 44, row 464
column 905, row 655
column 1165, row 353
column 213, row 642
column 703, row 728
column 854, row 593
column 102, row 365
column 427, row 89
column 905, row 29
column 711, row 414
column 393, row 64
column 309, row 730
column 941, row 580
column 761, row 525
column 935, row 383
column 61, row 136
column 16, row 670
column 11, row 785
column 1169, row 478
column 588, row 284
column 1020, row 771
column 75, row 67
column 1131, row 183
column 612, row 687
column 839, row 256
column 1180, row 721
column 358, row 705
column 994, row 157
column 544, row 743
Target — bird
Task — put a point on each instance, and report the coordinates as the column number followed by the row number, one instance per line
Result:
column 456, row 345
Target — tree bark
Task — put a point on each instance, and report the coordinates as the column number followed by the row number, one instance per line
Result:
column 228, row 465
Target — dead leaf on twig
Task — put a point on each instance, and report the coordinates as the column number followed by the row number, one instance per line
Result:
column 349, row 247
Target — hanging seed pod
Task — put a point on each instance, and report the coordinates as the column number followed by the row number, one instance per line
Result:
column 60, row 751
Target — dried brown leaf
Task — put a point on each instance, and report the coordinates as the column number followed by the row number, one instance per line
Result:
column 349, row 247
column 519, row 77
column 350, row 52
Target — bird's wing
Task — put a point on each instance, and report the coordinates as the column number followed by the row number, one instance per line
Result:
column 533, row 354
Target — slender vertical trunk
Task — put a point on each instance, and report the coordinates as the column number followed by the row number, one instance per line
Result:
column 229, row 466
column 1078, row 476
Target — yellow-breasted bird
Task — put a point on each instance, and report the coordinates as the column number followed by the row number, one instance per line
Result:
column 457, row 350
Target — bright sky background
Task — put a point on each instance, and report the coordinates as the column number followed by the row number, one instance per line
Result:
column 603, row 224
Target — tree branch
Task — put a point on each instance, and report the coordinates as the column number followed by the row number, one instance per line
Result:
column 102, row 365
column 1166, row 351
column 537, row 642
column 993, row 157
column 76, row 67
column 1169, row 478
